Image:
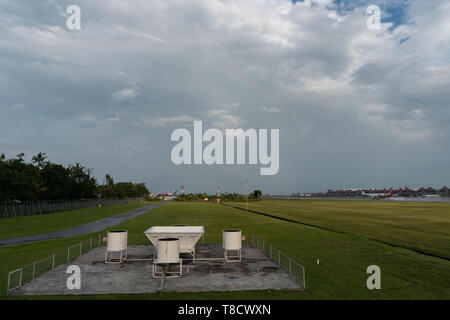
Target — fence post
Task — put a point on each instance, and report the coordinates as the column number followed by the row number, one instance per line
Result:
column 279, row 257
column 9, row 283
column 53, row 261
column 270, row 249
column 60, row 280
column 34, row 269
column 290, row 273
column 303, row 272
column 99, row 240
column 68, row 253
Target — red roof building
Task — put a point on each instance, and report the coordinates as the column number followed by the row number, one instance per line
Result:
column 430, row 190
column 444, row 191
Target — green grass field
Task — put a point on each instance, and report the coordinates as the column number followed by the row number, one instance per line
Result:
column 416, row 225
column 37, row 224
column 341, row 273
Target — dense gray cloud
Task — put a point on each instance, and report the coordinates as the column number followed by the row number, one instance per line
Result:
column 355, row 107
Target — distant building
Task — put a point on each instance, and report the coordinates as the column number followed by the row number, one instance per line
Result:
column 400, row 192
column 444, row 192
column 430, row 190
column 421, row 191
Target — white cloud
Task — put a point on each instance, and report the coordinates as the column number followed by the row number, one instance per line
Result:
column 218, row 118
column 19, row 106
column 272, row 109
column 116, row 118
column 233, row 105
column 164, row 121
column 125, row 94
column 224, row 119
column 133, row 33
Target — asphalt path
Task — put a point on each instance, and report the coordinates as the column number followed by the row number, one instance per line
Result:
column 87, row 228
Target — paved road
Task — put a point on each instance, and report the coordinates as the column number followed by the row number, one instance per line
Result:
column 87, row 228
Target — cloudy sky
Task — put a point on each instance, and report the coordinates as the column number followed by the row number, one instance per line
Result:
column 355, row 107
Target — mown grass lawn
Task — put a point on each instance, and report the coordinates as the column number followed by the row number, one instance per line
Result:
column 415, row 225
column 37, row 224
column 341, row 273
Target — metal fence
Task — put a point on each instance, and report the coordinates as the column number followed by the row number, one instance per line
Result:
column 295, row 270
column 29, row 208
column 17, row 278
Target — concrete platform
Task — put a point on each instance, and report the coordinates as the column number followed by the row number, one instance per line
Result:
column 255, row 272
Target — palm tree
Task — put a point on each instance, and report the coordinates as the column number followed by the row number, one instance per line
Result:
column 109, row 180
column 20, row 156
column 109, row 184
column 39, row 159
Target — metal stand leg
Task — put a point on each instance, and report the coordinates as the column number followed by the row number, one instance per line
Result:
column 174, row 274
column 122, row 257
column 235, row 258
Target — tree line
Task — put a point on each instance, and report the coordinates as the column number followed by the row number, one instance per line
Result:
column 237, row 197
column 122, row 189
column 42, row 179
